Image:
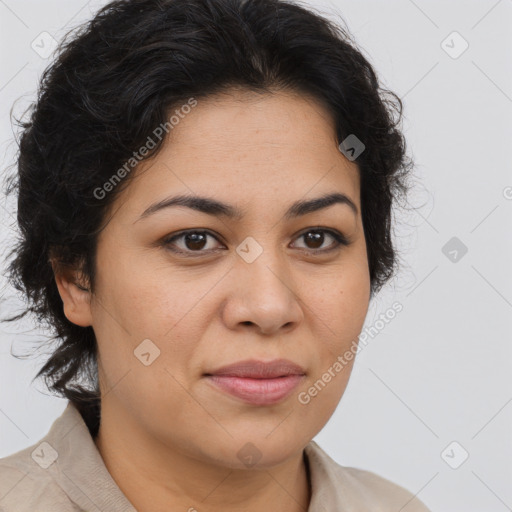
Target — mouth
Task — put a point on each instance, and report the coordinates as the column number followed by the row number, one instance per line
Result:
column 257, row 382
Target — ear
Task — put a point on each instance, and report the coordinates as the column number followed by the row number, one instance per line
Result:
column 75, row 294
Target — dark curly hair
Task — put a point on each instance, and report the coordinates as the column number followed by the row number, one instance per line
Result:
column 116, row 78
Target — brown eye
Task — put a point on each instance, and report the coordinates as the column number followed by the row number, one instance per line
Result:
column 195, row 241
column 198, row 243
column 191, row 241
column 314, row 239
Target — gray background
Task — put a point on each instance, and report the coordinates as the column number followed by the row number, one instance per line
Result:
column 440, row 371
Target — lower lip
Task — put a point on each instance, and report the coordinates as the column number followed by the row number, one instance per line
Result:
column 257, row 391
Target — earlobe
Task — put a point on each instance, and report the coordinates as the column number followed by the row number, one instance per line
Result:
column 75, row 296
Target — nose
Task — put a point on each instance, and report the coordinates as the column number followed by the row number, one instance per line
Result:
column 262, row 297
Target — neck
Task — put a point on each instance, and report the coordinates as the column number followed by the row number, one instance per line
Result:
column 156, row 477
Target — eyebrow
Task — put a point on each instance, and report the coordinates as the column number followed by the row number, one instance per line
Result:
column 213, row 207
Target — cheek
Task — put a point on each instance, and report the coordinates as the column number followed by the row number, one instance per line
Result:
column 338, row 317
column 342, row 301
column 317, row 400
column 152, row 317
column 143, row 300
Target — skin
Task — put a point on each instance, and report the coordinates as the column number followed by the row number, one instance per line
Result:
column 167, row 436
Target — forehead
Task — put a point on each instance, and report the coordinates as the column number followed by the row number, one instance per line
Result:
column 244, row 147
column 241, row 119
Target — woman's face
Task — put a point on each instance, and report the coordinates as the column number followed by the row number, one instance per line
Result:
column 270, row 283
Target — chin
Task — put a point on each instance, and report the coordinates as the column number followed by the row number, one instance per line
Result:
column 258, row 452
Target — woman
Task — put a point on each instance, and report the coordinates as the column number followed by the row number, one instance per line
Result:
column 204, row 195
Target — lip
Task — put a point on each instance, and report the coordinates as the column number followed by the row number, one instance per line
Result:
column 258, row 382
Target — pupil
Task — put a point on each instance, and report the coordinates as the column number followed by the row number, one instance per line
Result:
column 195, row 240
column 317, row 238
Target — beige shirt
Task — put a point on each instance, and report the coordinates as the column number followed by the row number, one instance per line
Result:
column 64, row 472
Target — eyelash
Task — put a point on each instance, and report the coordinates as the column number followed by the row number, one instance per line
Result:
column 338, row 237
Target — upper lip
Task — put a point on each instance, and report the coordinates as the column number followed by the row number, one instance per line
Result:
column 252, row 368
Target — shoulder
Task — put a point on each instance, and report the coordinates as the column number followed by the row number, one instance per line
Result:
column 376, row 488
column 62, row 472
column 357, row 489
column 26, row 486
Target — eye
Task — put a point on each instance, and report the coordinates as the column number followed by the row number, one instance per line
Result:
column 315, row 238
column 191, row 241
column 196, row 241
